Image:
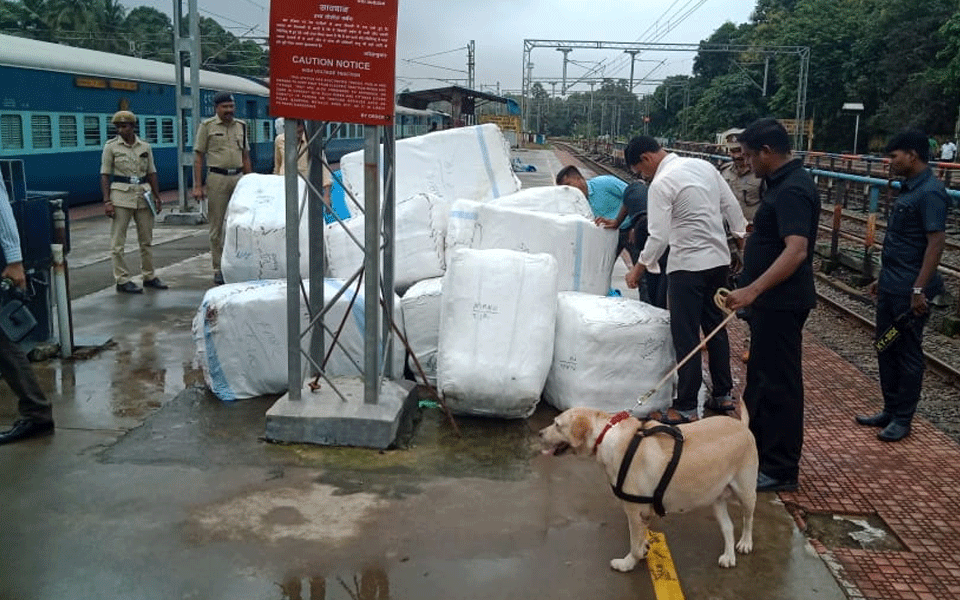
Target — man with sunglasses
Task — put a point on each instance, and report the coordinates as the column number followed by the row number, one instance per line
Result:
column 131, row 191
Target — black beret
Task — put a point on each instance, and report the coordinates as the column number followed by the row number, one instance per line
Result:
column 223, row 97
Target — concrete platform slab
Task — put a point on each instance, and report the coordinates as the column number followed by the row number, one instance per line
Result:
column 331, row 419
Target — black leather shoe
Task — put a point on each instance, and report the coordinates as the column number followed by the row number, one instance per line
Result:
column 129, row 288
column 155, row 283
column 765, row 483
column 24, row 429
column 894, row 432
column 218, row 278
column 881, row 419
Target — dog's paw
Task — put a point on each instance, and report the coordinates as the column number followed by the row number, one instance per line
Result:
column 745, row 546
column 728, row 560
column 625, row 564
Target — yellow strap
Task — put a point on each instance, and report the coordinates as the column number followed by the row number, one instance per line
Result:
column 663, row 573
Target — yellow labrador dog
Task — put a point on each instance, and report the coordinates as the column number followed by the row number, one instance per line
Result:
column 718, row 457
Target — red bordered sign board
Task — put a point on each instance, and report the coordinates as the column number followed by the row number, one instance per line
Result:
column 333, row 62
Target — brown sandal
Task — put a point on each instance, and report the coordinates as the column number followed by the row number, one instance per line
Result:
column 724, row 405
column 672, row 416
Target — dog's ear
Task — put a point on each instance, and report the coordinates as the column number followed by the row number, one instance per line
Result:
column 579, row 430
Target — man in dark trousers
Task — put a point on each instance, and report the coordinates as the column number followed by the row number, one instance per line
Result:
column 36, row 412
column 687, row 205
column 908, row 279
column 777, row 285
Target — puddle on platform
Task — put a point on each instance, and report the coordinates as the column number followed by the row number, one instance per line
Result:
column 865, row 532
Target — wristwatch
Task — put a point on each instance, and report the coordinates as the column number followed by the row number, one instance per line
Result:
column 917, row 291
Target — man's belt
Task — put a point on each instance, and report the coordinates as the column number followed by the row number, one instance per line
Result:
column 220, row 171
column 122, row 179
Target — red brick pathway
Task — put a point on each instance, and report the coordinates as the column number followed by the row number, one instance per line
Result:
column 913, row 485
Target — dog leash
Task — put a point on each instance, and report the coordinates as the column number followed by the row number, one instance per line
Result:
column 720, row 300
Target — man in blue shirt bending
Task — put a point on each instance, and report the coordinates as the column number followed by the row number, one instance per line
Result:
column 605, row 195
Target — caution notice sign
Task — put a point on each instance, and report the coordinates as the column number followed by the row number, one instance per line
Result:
column 333, row 62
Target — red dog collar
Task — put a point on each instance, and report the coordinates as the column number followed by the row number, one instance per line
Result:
column 620, row 416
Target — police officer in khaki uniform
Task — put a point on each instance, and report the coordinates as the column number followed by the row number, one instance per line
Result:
column 224, row 142
column 128, row 182
column 740, row 177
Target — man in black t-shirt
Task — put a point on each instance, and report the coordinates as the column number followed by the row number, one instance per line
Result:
column 777, row 285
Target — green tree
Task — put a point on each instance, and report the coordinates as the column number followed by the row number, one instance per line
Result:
column 151, row 32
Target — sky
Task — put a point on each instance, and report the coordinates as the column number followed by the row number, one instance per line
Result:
column 432, row 36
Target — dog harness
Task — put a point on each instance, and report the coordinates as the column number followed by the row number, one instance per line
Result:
column 657, row 498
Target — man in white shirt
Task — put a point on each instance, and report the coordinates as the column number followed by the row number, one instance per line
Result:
column 948, row 151
column 687, row 203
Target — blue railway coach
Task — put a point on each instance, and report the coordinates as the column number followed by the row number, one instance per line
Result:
column 57, row 101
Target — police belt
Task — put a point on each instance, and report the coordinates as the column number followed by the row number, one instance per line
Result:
column 133, row 180
column 220, row 171
column 657, row 498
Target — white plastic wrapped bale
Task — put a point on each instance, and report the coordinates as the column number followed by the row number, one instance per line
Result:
column 584, row 251
column 608, row 352
column 421, row 320
column 255, row 232
column 240, row 335
column 421, row 228
column 496, row 331
column 240, row 331
column 465, row 162
column 556, row 199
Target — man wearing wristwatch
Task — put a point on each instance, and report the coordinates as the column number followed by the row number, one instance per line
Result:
column 908, row 279
column 222, row 140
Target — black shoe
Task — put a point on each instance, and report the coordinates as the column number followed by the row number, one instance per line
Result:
column 218, row 278
column 24, row 429
column 894, row 432
column 155, row 283
column 765, row 483
column 129, row 288
column 881, row 419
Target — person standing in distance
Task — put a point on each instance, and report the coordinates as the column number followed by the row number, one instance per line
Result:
column 36, row 412
column 908, row 280
column 128, row 176
column 777, row 283
column 222, row 140
column 687, row 204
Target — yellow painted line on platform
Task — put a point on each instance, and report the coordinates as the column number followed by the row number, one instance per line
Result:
column 666, row 583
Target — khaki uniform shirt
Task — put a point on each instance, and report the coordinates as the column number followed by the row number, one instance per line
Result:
column 303, row 160
column 128, row 160
column 222, row 144
column 745, row 187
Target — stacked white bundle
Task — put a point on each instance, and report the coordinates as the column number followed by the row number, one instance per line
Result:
column 421, row 228
column 240, row 335
column 608, row 352
column 584, row 251
column 496, row 331
column 465, row 162
column 255, row 233
column 421, row 306
column 556, row 199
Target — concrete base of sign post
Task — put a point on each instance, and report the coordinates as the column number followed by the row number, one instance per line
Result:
column 324, row 418
column 183, row 218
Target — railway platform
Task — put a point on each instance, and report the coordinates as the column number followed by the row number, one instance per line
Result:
column 153, row 488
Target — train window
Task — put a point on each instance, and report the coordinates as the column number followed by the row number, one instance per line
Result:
column 91, row 131
column 40, row 131
column 11, row 132
column 150, row 130
column 266, row 129
column 68, row 131
column 166, row 131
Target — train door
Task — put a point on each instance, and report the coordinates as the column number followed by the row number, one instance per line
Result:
column 251, row 114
